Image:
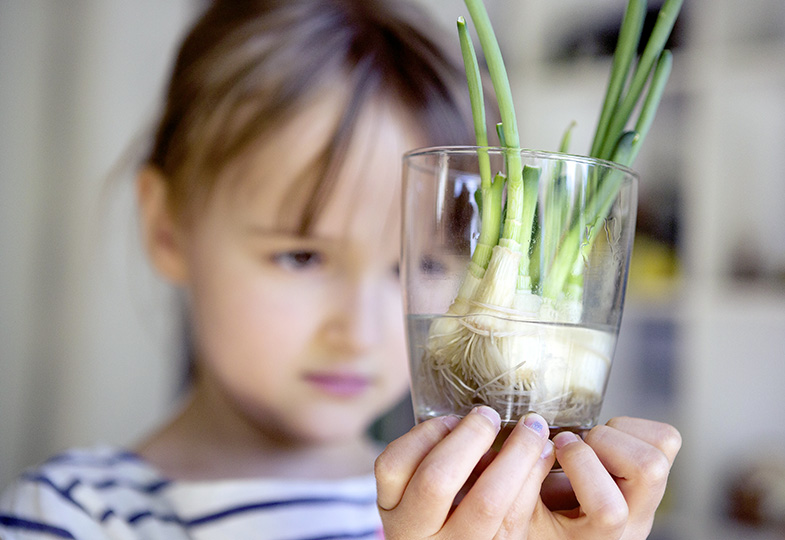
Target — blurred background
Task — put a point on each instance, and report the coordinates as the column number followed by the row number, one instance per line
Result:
column 89, row 338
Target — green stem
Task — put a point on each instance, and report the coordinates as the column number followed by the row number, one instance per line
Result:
column 490, row 190
column 500, row 133
column 598, row 207
column 474, row 81
column 626, row 48
column 602, row 201
column 490, row 226
column 651, row 103
column 564, row 147
column 498, row 73
column 651, row 53
column 531, row 180
column 512, row 227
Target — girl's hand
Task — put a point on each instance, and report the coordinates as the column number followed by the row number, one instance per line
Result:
column 420, row 475
column 612, row 483
column 610, row 488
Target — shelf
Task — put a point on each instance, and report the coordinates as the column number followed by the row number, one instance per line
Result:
column 699, row 347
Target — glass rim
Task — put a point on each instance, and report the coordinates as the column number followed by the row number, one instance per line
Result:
column 539, row 154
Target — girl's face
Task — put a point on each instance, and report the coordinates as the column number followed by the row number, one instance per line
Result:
column 303, row 335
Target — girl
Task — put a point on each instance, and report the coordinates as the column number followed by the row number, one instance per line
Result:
column 270, row 196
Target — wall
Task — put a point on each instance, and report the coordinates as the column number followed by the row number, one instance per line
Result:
column 83, row 357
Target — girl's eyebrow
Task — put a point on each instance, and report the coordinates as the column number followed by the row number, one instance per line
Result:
column 264, row 230
column 287, row 234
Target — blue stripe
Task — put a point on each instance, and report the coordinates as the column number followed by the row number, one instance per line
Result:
column 133, row 518
column 87, row 459
column 150, row 488
column 372, row 532
column 274, row 504
column 64, row 492
column 201, row 520
column 35, row 526
column 13, row 522
column 229, row 512
column 106, row 515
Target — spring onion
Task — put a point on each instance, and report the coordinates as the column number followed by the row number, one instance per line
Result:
column 477, row 353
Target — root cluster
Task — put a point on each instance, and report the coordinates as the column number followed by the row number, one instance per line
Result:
column 511, row 366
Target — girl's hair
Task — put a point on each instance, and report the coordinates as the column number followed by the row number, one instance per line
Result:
column 247, row 65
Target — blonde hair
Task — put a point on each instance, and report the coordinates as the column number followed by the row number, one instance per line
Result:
column 246, row 66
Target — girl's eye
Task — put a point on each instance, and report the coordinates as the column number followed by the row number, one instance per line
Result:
column 298, row 260
column 429, row 265
column 396, row 270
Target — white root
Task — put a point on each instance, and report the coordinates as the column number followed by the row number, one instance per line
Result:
column 493, row 348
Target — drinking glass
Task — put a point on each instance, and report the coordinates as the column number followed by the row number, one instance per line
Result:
column 536, row 330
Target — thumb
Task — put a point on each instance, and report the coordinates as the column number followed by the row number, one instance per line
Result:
column 517, row 521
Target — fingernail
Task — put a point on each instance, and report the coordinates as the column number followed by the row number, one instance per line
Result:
column 547, row 450
column 536, row 423
column 564, row 438
column 450, row 421
column 490, row 414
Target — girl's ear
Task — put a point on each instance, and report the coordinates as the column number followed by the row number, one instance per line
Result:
column 162, row 233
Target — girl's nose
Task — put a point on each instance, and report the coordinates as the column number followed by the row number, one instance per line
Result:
column 355, row 322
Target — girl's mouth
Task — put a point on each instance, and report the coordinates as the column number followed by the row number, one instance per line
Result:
column 339, row 384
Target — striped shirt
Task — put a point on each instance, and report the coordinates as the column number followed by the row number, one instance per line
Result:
column 108, row 493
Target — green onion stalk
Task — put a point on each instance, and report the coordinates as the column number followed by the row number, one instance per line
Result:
column 477, row 352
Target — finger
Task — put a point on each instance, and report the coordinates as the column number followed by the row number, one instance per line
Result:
column 557, row 492
column 528, row 504
column 641, row 467
column 485, row 460
column 504, row 495
column 429, row 494
column 663, row 436
column 629, row 457
column 397, row 463
column 600, row 499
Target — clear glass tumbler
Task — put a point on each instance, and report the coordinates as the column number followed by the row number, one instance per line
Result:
column 521, row 311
